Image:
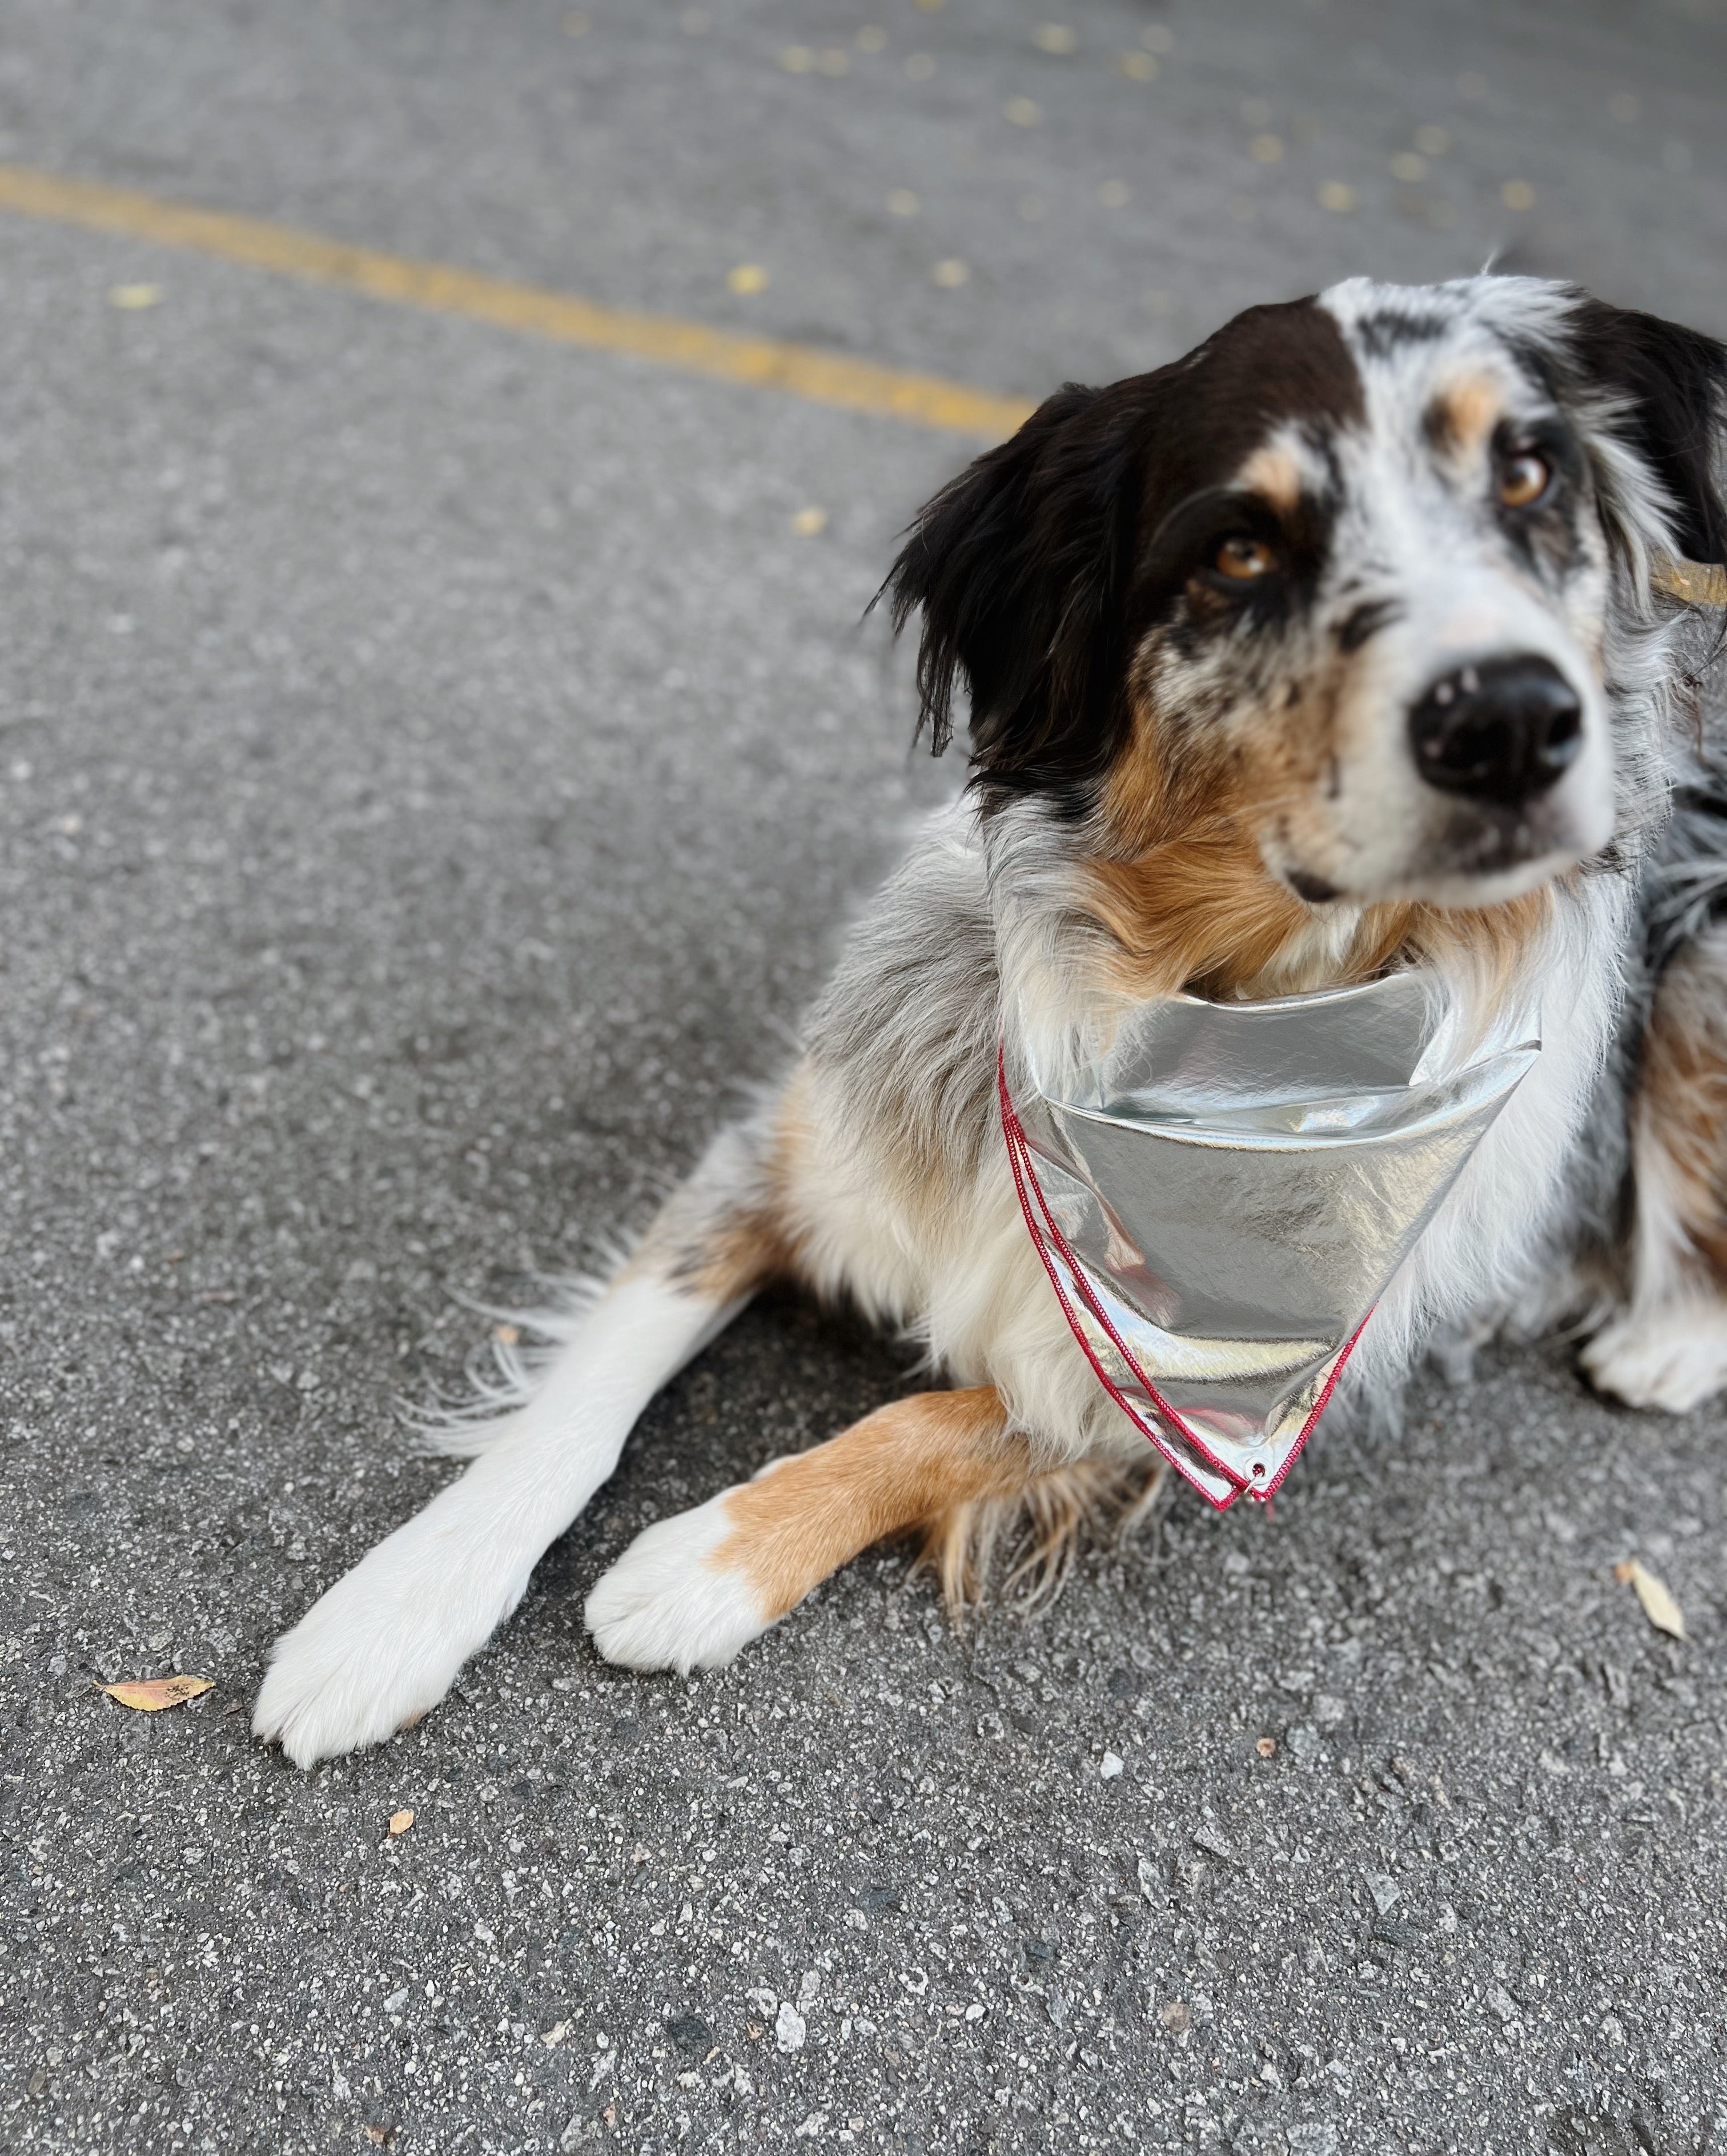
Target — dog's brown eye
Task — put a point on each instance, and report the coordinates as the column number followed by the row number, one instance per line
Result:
column 1243, row 559
column 1523, row 479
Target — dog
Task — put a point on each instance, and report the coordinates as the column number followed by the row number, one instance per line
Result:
column 1342, row 644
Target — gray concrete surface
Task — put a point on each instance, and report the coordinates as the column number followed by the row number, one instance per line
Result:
column 432, row 774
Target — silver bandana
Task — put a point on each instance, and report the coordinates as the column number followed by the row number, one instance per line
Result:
column 1220, row 1201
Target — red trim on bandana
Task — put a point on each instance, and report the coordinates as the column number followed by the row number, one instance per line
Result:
column 1019, row 1158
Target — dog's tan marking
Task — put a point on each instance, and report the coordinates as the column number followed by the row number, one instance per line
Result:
column 1184, row 894
column 1142, row 799
column 1463, row 412
column 1275, row 472
column 724, row 1245
column 745, row 1253
column 1183, row 890
column 1200, row 912
column 908, row 1462
column 1171, row 781
column 1679, row 1121
column 761, row 1244
column 1196, row 910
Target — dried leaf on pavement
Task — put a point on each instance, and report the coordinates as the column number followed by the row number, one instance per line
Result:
column 1659, row 1607
column 151, row 1695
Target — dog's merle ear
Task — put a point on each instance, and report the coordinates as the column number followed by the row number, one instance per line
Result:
column 1672, row 382
column 1019, row 567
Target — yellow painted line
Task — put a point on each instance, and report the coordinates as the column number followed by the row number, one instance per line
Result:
column 1698, row 583
column 797, row 370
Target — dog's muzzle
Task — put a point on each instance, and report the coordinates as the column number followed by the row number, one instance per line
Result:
column 1220, row 1202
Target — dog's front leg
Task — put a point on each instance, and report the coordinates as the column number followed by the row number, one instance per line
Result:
column 383, row 1645
column 691, row 1591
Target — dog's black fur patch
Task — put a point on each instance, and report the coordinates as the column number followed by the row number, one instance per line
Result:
column 1675, row 383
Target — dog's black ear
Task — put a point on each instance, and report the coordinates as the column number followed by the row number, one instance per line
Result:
column 1019, row 567
column 1672, row 382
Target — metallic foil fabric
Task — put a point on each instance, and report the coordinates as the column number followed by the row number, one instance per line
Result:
column 1219, row 1200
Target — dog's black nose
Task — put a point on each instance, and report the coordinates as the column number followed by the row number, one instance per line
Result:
column 1500, row 729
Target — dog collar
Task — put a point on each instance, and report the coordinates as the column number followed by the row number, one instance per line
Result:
column 1221, row 1199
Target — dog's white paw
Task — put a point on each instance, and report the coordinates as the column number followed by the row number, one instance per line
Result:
column 665, row 1605
column 381, row 1648
column 1674, row 1357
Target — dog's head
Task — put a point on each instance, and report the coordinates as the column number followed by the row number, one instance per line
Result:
column 1343, row 582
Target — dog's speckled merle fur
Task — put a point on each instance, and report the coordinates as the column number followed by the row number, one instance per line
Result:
column 1343, row 644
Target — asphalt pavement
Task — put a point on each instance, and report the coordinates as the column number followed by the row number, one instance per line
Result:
column 435, row 766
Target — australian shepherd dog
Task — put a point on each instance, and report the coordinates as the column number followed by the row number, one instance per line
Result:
column 1373, row 633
